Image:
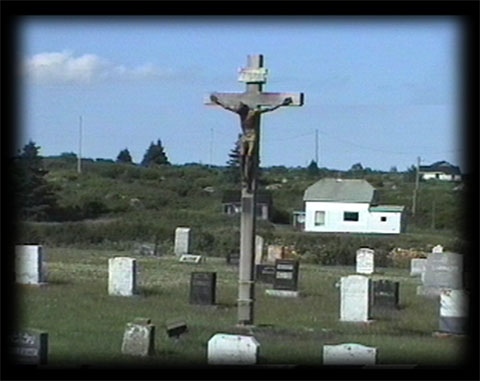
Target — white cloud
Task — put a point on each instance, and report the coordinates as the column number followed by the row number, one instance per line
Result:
column 64, row 67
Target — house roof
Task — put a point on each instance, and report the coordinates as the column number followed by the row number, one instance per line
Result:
column 340, row 190
column 441, row 166
column 387, row 208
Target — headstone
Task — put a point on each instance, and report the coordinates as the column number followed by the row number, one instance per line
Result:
column 144, row 249
column 453, row 311
column 274, row 252
column 365, row 261
column 355, row 298
column 385, row 296
column 442, row 271
column 202, row 288
column 265, row 273
column 417, row 266
column 437, row 249
column 122, row 276
column 190, row 258
column 258, row 249
column 286, row 275
column 29, row 264
column 227, row 349
column 233, row 259
column 139, row 338
column 29, row 347
column 182, row 241
column 349, row 354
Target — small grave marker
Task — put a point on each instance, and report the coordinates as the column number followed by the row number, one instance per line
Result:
column 349, row 354
column 190, row 258
column 29, row 347
column 365, row 261
column 122, row 276
column 139, row 338
column 202, row 288
column 227, row 349
column 176, row 328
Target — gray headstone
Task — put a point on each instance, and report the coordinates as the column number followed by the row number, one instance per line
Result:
column 355, row 298
column 29, row 264
column 203, row 288
column 365, row 261
column 442, row 271
column 385, row 296
column 233, row 259
column 182, row 241
column 122, row 276
column 453, row 311
column 286, row 275
column 258, row 249
column 227, row 349
column 139, row 338
column 417, row 266
column 265, row 273
column 349, row 354
column 29, row 346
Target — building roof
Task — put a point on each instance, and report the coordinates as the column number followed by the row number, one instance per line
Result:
column 441, row 166
column 386, row 208
column 340, row 190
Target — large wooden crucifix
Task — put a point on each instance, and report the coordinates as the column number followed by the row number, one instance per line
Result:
column 249, row 106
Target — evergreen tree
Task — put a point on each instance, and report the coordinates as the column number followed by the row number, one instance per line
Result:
column 124, row 157
column 233, row 164
column 312, row 168
column 155, row 155
column 34, row 196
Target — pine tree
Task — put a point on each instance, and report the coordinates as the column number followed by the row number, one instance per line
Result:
column 233, row 164
column 34, row 196
column 312, row 168
column 155, row 155
column 124, row 157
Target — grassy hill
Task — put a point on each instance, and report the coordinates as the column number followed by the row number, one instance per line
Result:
column 115, row 206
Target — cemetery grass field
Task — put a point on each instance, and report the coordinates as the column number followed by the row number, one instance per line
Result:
column 86, row 326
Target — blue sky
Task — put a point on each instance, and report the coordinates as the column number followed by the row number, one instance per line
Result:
column 380, row 91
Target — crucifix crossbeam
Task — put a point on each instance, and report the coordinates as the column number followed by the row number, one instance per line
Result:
column 249, row 105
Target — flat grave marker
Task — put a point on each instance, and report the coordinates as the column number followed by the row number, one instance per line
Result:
column 227, row 349
column 349, row 354
column 190, row 258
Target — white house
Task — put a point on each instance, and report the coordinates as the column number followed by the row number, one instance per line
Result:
column 340, row 205
column 441, row 170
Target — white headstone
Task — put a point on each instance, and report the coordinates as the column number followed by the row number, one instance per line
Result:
column 190, row 258
column 258, row 249
column 417, row 266
column 122, row 276
column 139, row 338
column 226, row 349
column 182, row 241
column 349, row 354
column 437, row 249
column 453, row 311
column 355, row 298
column 365, row 261
column 29, row 264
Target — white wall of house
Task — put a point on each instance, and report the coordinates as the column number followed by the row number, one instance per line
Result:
column 440, row 176
column 333, row 218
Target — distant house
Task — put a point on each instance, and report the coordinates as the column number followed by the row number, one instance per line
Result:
column 341, row 205
column 441, row 170
column 231, row 204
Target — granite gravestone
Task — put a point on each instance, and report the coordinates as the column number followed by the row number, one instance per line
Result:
column 355, row 298
column 286, row 275
column 365, row 261
column 139, row 338
column 182, row 241
column 122, row 276
column 442, row 271
column 30, row 265
column 349, row 354
column 265, row 273
column 202, row 288
column 29, row 347
column 417, row 266
column 385, row 296
column 227, row 349
column 233, row 259
column 453, row 312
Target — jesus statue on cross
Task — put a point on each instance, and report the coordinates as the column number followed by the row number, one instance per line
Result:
column 249, row 122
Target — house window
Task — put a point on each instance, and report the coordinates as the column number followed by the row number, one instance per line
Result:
column 383, row 219
column 319, row 218
column 350, row 216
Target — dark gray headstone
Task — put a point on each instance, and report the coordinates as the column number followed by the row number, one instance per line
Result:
column 29, row 347
column 175, row 328
column 385, row 295
column 265, row 273
column 233, row 259
column 202, row 287
column 139, row 338
column 286, row 275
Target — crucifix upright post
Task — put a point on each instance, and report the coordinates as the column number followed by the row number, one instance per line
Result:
column 249, row 106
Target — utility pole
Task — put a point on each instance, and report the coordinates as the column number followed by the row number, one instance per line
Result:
column 79, row 159
column 433, row 213
column 211, row 147
column 316, row 148
column 417, row 177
